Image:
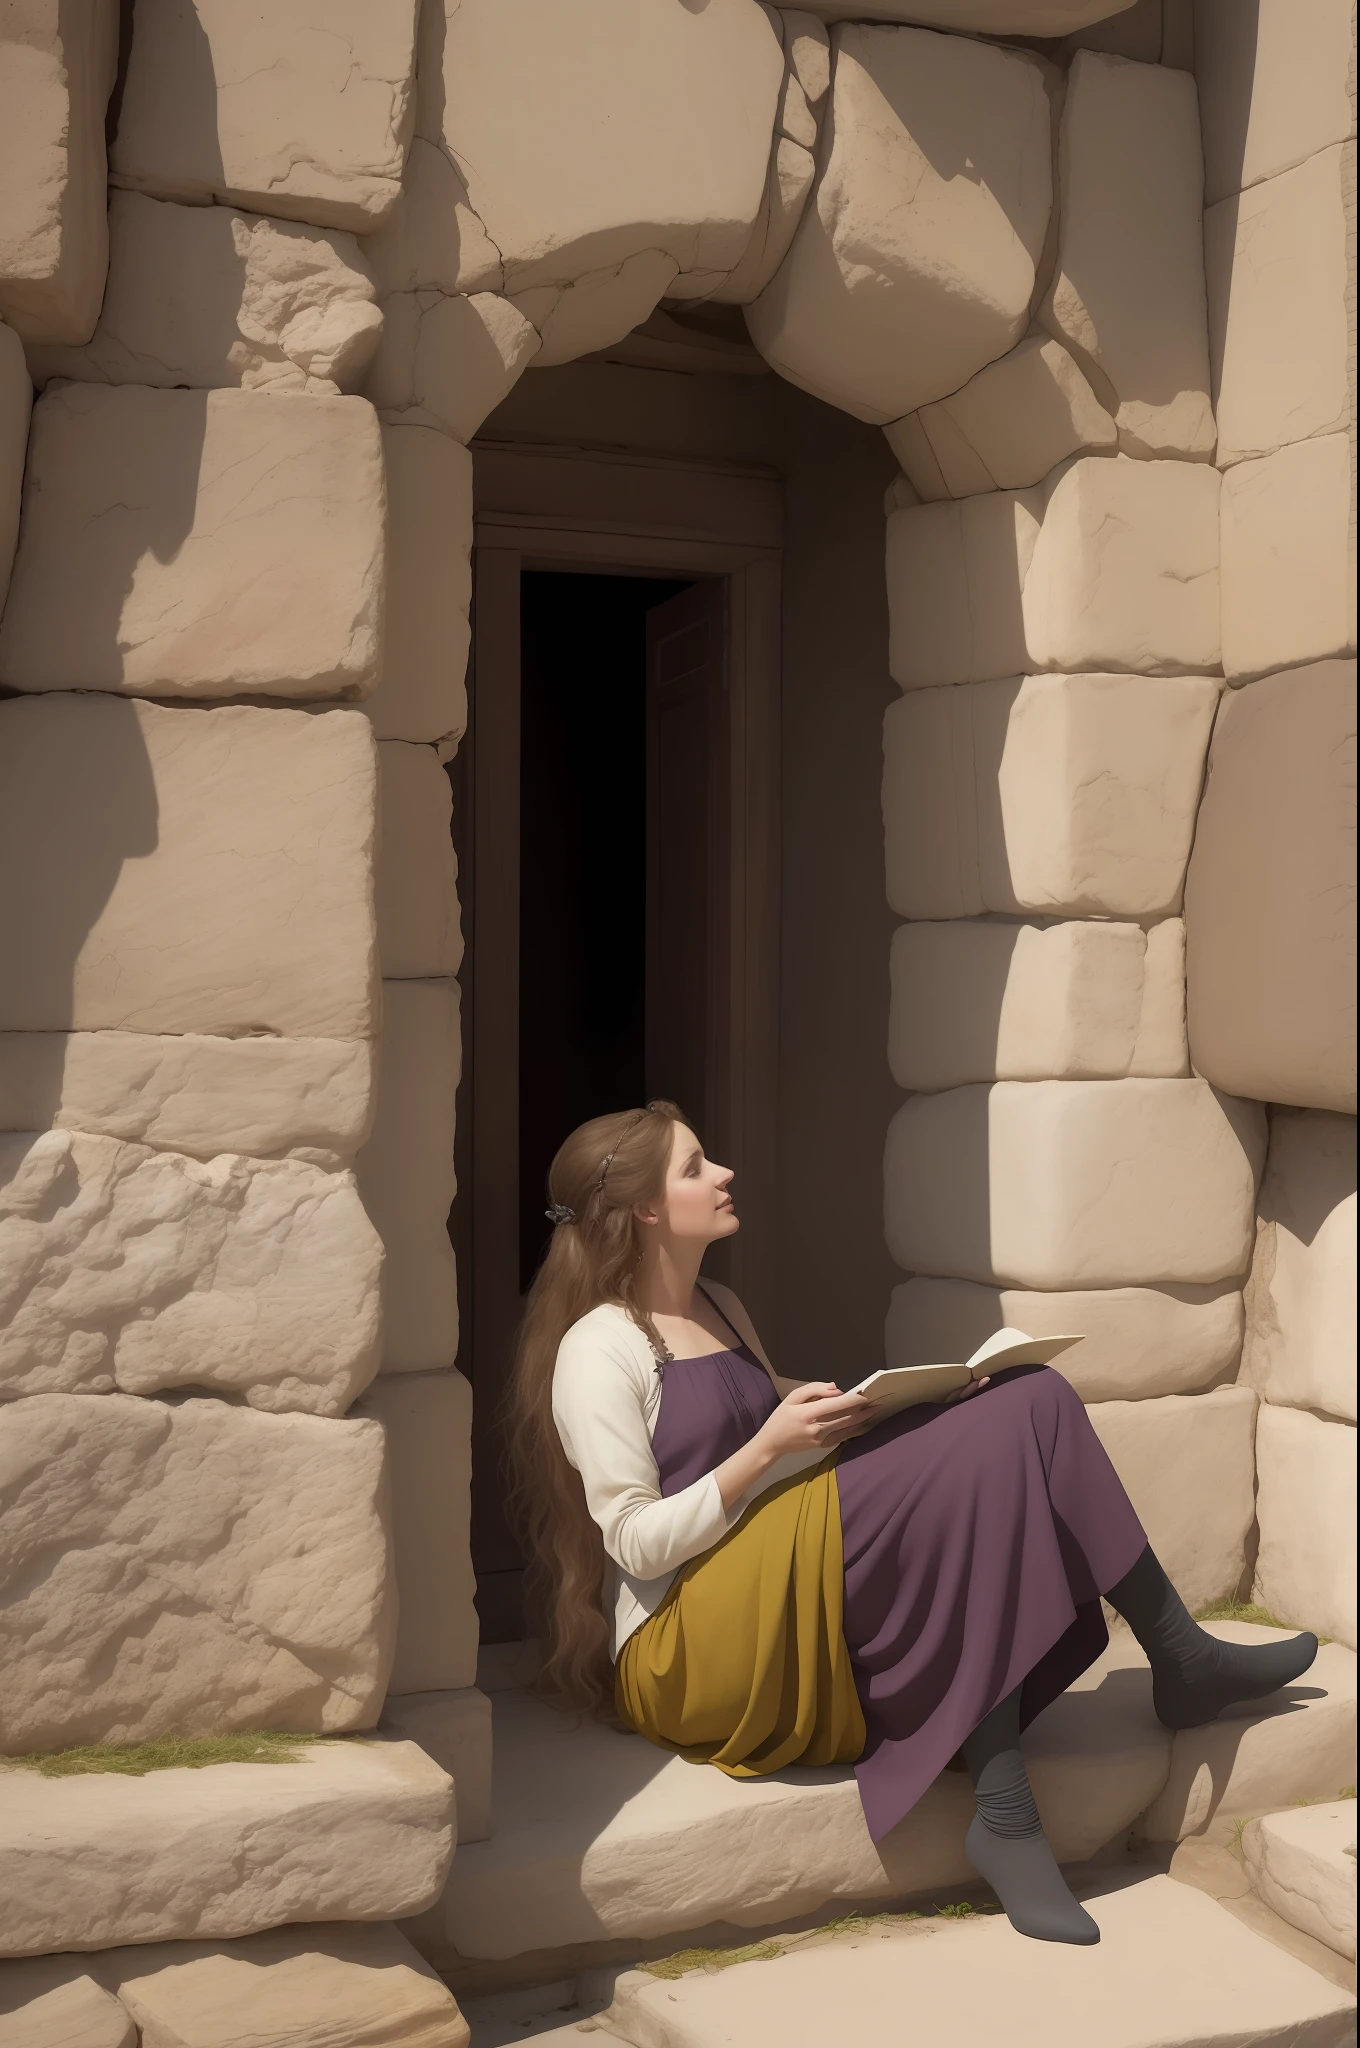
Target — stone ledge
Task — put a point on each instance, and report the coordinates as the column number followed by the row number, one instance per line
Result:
column 353, row 1830
column 1302, row 1863
column 599, row 1838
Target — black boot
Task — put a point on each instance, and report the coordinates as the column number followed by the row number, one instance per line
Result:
column 1006, row 1842
column 1194, row 1675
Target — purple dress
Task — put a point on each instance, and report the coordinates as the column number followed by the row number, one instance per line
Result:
column 978, row 1539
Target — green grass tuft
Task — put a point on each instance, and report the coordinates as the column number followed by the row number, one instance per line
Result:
column 166, row 1753
column 687, row 1959
column 963, row 1911
column 1247, row 1610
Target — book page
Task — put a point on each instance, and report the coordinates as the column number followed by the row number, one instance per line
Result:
column 906, row 1386
column 1013, row 1347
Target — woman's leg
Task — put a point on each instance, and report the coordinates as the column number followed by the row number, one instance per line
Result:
column 1194, row 1675
column 1006, row 1843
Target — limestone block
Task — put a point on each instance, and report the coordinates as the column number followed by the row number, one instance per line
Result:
column 16, row 404
column 596, row 308
column 956, row 575
column 1269, row 96
column 406, row 1177
column 455, row 1729
column 1128, row 293
column 121, row 1266
column 427, row 1420
column 346, row 1831
column 979, row 17
column 187, row 870
column 593, row 134
column 432, row 241
column 421, row 693
column 1270, row 898
column 906, row 277
column 57, row 65
column 1125, row 572
column 53, row 2003
column 1277, row 274
column 204, row 296
column 198, row 544
column 196, row 1567
column 1074, row 1184
column 788, row 186
column 1298, row 1744
column 1288, row 558
column 1008, row 426
column 1139, row 1341
column 305, row 114
column 982, row 1000
column 303, row 1098
column 417, row 877
column 1060, row 794
column 1302, row 1863
column 1305, row 1569
column 1301, row 1334
column 448, row 362
column 1186, row 1463
column 1161, row 1050
column 288, row 1988
column 808, row 49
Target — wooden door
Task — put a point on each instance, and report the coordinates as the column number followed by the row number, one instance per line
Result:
column 688, row 855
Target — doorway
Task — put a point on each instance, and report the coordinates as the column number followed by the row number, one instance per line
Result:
column 614, row 815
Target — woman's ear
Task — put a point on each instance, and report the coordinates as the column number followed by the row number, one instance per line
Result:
column 645, row 1214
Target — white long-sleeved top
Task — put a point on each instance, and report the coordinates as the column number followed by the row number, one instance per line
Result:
column 606, row 1396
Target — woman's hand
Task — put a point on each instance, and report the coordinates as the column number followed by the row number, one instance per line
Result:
column 815, row 1417
column 965, row 1393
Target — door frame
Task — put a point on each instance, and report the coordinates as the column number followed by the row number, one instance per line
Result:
column 568, row 508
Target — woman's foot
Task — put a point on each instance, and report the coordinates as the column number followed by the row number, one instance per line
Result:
column 1023, row 1872
column 1195, row 1675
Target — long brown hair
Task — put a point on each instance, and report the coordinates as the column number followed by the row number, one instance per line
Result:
column 605, row 1167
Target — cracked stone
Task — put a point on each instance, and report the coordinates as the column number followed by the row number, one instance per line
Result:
column 448, row 362
column 1006, row 428
column 1288, row 558
column 1303, row 1865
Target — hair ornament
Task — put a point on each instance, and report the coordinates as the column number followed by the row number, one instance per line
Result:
column 558, row 1212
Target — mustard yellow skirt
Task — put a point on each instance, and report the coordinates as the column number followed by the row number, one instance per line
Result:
column 744, row 1664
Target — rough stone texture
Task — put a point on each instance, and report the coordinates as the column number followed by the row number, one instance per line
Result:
column 983, row 1000
column 1305, row 1568
column 198, row 544
column 1270, row 893
column 124, row 1267
column 427, row 1418
column 349, row 1831
column 301, row 1098
column 1269, row 96
column 455, row 1729
column 793, row 166
column 1289, row 558
column 1162, row 1450
column 417, row 876
column 597, row 308
column 57, row 64
column 54, row 2003
column 590, row 136
column 1140, row 1341
column 200, row 295
column 432, row 241
column 1007, row 428
column 1128, row 293
column 1074, row 1184
column 1301, row 1336
column 1125, row 573
column 1172, row 1968
column 305, row 115
column 599, row 1835
column 1276, row 263
column 1059, row 794
column 16, row 404
column 363, row 1987
column 421, row 693
column 181, row 869
column 447, row 362
column 1299, row 1744
column 956, row 575
column 907, row 275
column 196, row 1567
column 406, row 1177
column 1303, row 1865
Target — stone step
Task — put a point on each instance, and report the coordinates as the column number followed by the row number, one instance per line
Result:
column 1302, row 1863
column 354, row 1829
column 599, row 1838
column 1172, row 1970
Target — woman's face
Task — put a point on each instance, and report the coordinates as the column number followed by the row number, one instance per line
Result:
column 695, row 1204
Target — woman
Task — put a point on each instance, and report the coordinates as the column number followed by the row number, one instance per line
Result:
column 751, row 1571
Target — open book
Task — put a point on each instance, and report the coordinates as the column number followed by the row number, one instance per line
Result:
column 904, row 1386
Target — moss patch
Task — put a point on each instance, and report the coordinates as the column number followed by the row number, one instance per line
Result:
column 687, row 1959
column 166, row 1753
column 1246, row 1610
